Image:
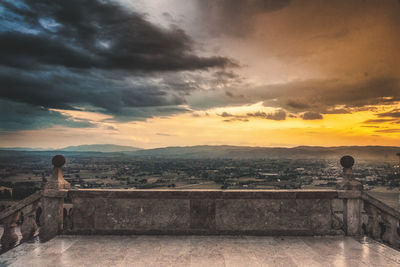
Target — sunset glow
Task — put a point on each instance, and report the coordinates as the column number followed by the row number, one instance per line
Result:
column 181, row 73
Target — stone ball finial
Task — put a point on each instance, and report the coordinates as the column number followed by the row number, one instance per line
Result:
column 347, row 161
column 58, row 161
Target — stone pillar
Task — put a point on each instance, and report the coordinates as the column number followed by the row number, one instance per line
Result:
column 54, row 192
column 350, row 191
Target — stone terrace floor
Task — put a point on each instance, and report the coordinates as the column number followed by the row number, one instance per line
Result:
column 201, row 251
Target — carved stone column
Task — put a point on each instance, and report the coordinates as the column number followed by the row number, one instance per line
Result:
column 29, row 226
column 54, row 192
column 10, row 237
column 350, row 190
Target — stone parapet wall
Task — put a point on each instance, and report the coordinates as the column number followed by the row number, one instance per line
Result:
column 266, row 212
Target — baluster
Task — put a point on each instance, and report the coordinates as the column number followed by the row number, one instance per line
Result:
column 29, row 226
column 10, row 237
column 391, row 236
column 67, row 219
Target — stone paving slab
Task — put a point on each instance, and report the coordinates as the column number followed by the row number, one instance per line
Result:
column 201, row 251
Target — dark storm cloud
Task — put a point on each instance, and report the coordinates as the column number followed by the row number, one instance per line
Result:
column 95, row 55
column 20, row 116
column 235, row 17
column 297, row 104
column 62, row 89
column 97, row 34
column 309, row 115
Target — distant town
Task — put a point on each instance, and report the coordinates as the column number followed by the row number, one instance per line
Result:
column 22, row 173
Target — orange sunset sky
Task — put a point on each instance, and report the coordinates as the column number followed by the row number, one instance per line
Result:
column 156, row 73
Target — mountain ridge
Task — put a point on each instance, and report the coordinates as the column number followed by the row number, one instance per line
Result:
column 386, row 153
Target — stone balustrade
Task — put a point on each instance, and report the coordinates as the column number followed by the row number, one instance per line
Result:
column 380, row 221
column 51, row 202
column 263, row 212
column 9, row 217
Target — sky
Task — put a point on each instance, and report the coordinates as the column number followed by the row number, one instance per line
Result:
column 157, row 73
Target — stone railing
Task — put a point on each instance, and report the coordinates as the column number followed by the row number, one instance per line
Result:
column 265, row 212
column 51, row 202
column 380, row 221
column 27, row 209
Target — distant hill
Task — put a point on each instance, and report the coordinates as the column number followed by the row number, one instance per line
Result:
column 377, row 153
column 105, row 148
column 21, row 149
column 381, row 153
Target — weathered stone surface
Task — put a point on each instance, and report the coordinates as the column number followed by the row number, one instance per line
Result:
column 102, row 214
column 20, row 204
column 337, row 205
column 67, row 217
column 9, row 237
column 202, row 214
column 382, row 222
column 51, row 219
column 345, row 194
column 202, row 211
column 56, row 181
column 203, row 194
column 301, row 216
column 29, row 226
column 267, row 212
column 352, row 216
column 54, row 192
column 219, row 251
column 380, row 205
column 391, row 234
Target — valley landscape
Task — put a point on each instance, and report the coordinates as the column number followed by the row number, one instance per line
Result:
column 198, row 167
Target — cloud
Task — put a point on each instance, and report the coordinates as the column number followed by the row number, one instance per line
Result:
column 310, row 115
column 226, row 114
column 164, row 134
column 237, row 118
column 395, row 113
column 97, row 56
column 97, row 34
column 278, row 115
column 235, row 17
column 19, row 116
column 230, row 117
column 373, row 121
column 63, row 89
column 388, row 131
column 296, row 104
column 325, row 96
